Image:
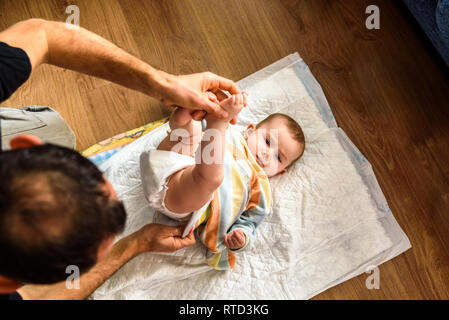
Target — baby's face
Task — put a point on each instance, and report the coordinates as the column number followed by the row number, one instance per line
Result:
column 273, row 146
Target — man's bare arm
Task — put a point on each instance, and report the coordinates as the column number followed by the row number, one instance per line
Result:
column 83, row 51
column 151, row 238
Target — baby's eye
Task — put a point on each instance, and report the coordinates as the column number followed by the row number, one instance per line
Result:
column 267, row 141
column 279, row 158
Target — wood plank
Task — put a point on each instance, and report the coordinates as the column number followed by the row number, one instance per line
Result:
column 387, row 89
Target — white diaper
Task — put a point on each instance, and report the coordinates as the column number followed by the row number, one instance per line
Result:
column 156, row 168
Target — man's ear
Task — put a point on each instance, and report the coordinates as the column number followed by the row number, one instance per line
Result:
column 24, row 141
column 8, row 285
column 248, row 130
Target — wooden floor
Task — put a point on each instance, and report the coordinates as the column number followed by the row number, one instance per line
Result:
column 388, row 91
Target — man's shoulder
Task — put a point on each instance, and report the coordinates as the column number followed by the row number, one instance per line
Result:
column 15, row 69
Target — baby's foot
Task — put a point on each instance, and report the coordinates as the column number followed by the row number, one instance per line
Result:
column 234, row 104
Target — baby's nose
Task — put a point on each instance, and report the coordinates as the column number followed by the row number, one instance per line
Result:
column 267, row 153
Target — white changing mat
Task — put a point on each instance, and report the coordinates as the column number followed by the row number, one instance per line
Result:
column 330, row 220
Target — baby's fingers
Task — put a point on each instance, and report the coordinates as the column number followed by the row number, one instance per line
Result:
column 227, row 241
column 239, row 237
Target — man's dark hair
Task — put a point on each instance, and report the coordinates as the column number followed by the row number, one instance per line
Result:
column 54, row 212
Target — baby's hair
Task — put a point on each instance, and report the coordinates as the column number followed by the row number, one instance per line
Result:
column 293, row 126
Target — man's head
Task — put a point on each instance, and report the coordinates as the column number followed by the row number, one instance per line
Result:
column 276, row 142
column 56, row 210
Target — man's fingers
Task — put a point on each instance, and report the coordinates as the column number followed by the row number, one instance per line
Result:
column 210, row 105
column 179, row 242
column 215, row 109
column 228, row 85
column 180, row 230
column 189, row 239
column 212, row 97
column 175, row 231
column 220, row 95
column 218, row 82
column 198, row 115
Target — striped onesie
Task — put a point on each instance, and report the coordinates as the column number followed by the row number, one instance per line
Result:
column 242, row 201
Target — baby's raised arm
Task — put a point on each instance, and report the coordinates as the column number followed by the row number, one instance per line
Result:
column 190, row 188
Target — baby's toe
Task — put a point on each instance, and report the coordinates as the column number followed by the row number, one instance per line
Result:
column 238, row 98
column 245, row 98
column 228, row 102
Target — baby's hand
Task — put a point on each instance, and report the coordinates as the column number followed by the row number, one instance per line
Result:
column 233, row 105
column 235, row 240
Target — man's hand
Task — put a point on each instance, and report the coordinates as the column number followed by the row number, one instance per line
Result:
column 235, row 240
column 150, row 238
column 193, row 92
column 161, row 238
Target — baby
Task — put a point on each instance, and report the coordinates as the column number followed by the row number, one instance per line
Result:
column 217, row 180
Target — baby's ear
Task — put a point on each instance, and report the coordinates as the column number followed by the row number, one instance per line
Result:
column 24, row 141
column 250, row 128
column 281, row 172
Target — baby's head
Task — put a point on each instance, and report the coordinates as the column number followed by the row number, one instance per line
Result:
column 276, row 142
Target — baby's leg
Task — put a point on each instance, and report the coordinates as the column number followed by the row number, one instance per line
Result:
column 191, row 188
column 185, row 133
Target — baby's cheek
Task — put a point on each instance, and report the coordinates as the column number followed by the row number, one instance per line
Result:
column 252, row 145
column 271, row 170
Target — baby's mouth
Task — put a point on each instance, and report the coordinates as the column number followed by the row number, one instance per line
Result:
column 258, row 161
